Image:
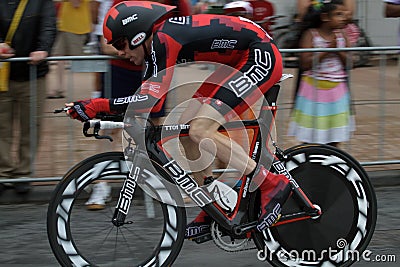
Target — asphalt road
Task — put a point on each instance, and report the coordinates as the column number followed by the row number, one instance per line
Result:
column 23, row 239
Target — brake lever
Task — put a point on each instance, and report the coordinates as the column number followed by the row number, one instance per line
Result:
column 96, row 129
column 104, row 137
column 86, row 127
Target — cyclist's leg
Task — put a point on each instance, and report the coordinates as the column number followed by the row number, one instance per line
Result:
column 232, row 97
column 201, row 104
column 198, row 163
column 275, row 189
column 204, row 132
column 204, row 135
column 205, row 121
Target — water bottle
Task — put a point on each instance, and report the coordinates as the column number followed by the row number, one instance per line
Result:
column 223, row 194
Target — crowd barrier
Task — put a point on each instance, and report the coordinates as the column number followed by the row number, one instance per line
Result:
column 385, row 85
column 376, row 98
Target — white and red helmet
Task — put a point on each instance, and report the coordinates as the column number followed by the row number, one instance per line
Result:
column 238, row 8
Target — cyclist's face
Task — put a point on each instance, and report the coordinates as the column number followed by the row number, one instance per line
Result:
column 136, row 55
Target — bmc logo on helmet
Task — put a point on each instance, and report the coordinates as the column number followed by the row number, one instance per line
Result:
column 129, row 19
column 138, row 38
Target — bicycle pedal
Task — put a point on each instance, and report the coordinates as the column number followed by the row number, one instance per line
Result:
column 202, row 238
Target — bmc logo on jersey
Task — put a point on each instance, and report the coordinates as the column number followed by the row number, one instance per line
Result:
column 138, row 38
column 129, row 19
column 180, row 20
column 222, row 43
column 256, row 73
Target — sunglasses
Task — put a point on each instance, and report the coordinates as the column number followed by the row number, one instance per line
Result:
column 119, row 44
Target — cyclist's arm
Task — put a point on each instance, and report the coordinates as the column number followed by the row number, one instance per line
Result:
column 158, row 76
column 143, row 101
column 84, row 110
column 152, row 93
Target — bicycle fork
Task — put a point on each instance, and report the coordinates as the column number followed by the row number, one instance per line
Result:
column 308, row 209
column 127, row 192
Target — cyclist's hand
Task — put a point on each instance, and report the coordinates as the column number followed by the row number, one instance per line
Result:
column 84, row 110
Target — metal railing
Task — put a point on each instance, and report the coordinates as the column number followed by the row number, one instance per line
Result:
column 99, row 63
column 381, row 54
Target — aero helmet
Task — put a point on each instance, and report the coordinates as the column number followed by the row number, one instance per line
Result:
column 133, row 20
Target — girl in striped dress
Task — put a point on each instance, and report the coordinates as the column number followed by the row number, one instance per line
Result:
column 322, row 110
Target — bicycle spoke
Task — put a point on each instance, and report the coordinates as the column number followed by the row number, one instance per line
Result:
column 91, row 238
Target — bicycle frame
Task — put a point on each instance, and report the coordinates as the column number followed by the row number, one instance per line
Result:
column 235, row 222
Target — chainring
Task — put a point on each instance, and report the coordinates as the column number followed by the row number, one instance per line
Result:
column 227, row 242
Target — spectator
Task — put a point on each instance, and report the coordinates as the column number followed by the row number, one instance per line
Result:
column 302, row 7
column 262, row 10
column 33, row 37
column 392, row 10
column 99, row 10
column 322, row 112
column 184, row 7
column 203, row 6
column 352, row 31
column 74, row 25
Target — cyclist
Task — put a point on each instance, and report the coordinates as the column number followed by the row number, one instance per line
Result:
column 140, row 33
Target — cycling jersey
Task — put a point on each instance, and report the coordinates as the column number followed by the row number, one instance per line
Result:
column 232, row 41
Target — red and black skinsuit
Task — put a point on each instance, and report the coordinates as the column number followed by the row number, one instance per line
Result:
column 253, row 59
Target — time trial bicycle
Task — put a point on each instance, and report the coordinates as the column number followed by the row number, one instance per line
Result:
column 329, row 217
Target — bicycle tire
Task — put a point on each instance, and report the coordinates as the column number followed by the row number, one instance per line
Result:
column 79, row 237
column 337, row 183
